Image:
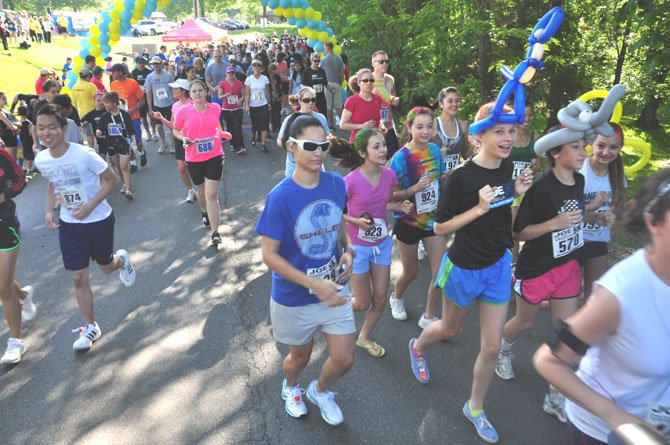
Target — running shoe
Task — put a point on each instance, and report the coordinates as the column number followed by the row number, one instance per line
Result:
column 126, row 271
column 330, row 412
column 504, row 368
column 216, row 239
column 14, row 352
column 133, row 166
column 425, row 322
column 419, row 365
column 253, row 141
column 154, row 137
column 161, row 148
column 205, row 219
column 481, row 423
column 397, row 308
column 240, row 151
column 265, row 149
column 28, row 308
column 143, row 157
column 295, row 405
column 123, row 190
column 554, row 404
column 148, row 137
column 128, row 194
column 421, row 253
column 171, row 149
column 87, row 335
column 191, row 195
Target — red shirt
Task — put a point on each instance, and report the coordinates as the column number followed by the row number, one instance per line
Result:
column 363, row 110
column 236, row 90
column 38, row 85
column 98, row 84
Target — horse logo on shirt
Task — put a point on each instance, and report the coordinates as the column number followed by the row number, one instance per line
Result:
column 317, row 227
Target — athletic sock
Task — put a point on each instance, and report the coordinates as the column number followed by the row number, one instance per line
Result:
column 474, row 412
column 506, row 347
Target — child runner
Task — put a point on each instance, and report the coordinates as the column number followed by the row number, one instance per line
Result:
column 475, row 205
column 603, row 193
column 419, row 167
column 550, row 222
column 305, row 243
column 369, row 190
column 80, row 180
column 91, row 120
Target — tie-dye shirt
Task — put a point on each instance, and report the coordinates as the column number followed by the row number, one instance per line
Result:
column 409, row 165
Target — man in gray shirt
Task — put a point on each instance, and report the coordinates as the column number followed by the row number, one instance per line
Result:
column 334, row 67
column 159, row 98
column 215, row 73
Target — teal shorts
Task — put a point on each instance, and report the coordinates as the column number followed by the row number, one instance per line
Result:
column 491, row 285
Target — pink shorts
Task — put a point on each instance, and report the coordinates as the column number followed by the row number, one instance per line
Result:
column 563, row 281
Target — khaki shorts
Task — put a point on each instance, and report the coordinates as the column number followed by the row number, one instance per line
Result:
column 333, row 101
column 297, row 325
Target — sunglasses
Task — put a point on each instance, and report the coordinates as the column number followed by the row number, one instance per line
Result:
column 308, row 100
column 366, row 80
column 311, row 145
column 382, row 62
column 316, row 60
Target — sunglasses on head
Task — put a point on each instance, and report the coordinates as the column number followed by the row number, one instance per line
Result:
column 382, row 62
column 311, row 145
column 308, row 100
column 366, row 80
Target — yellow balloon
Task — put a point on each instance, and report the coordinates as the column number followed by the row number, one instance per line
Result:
column 317, row 15
column 332, row 40
column 299, row 13
column 78, row 61
column 601, row 94
column 95, row 51
column 140, row 4
column 642, row 146
column 309, row 13
column 65, row 90
column 279, row 11
column 93, row 40
column 95, row 31
column 133, row 20
column 115, row 14
column 99, row 61
column 337, row 49
column 312, row 34
column 119, row 6
column 323, row 36
column 114, row 27
column 137, row 15
column 303, row 31
column 288, row 13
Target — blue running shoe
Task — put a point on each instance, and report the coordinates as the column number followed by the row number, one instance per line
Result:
column 484, row 428
column 419, row 366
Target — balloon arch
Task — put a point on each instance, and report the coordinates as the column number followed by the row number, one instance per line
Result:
column 117, row 20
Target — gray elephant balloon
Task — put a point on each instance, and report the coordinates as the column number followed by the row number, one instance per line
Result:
column 580, row 122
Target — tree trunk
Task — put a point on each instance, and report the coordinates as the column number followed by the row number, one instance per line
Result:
column 648, row 119
column 484, row 55
column 621, row 56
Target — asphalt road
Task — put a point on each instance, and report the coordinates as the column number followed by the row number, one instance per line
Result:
column 187, row 355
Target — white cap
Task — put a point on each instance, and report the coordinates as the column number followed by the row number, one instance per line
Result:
column 181, row 83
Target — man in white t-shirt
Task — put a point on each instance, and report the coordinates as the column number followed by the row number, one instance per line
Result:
column 80, row 181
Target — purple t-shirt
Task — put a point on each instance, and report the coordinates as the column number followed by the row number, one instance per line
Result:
column 363, row 197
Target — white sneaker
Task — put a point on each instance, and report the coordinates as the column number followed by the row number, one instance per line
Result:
column 330, row 412
column 161, row 148
column 337, row 120
column 397, row 308
column 425, row 322
column 154, row 137
column 126, row 272
column 171, row 149
column 554, row 404
column 421, row 253
column 504, row 368
column 14, row 352
column 28, row 308
column 191, row 195
column 295, row 406
column 87, row 335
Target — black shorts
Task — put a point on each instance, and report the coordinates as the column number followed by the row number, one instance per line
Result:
column 165, row 111
column 592, row 249
column 284, row 88
column 392, row 143
column 260, row 118
column 209, row 169
column 10, row 139
column 410, row 234
column 10, row 237
column 28, row 153
column 179, row 153
column 117, row 148
column 80, row 242
column 144, row 110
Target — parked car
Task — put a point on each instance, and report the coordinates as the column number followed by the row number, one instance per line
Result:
column 227, row 24
column 151, row 27
column 241, row 24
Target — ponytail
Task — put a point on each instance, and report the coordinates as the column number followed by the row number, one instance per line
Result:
column 345, row 154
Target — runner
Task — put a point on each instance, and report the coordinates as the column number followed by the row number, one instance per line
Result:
column 451, row 132
column 617, row 341
column 17, row 303
column 307, row 269
column 230, row 96
column 384, row 86
column 132, row 98
column 180, row 91
column 80, row 180
column 604, row 194
column 369, row 192
column 117, row 139
column 199, row 128
column 139, row 75
column 333, row 66
column 159, row 99
column 91, row 120
column 315, row 77
column 477, row 268
column 419, row 167
column 256, row 94
column 363, row 109
column 550, row 223
column 9, row 127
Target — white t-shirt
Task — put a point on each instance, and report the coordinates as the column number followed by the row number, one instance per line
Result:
column 73, row 134
column 76, row 180
column 631, row 367
column 257, row 90
column 592, row 185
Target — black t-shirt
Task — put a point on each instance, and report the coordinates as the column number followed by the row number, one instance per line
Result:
column 33, row 117
column 484, row 241
column 315, row 79
column 93, row 118
column 115, row 129
column 140, row 76
column 547, row 198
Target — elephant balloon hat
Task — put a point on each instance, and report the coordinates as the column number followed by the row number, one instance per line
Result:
column 580, row 122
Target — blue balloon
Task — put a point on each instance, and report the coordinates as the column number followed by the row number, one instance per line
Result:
column 104, row 27
column 71, row 84
column 103, row 38
column 83, row 53
column 71, row 75
column 319, row 46
column 329, row 30
column 126, row 15
column 321, row 25
column 264, row 2
column 147, row 12
column 105, row 17
column 311, row 42
column 311, row 24
column 273, row 4
column 105, row 48
column 284, row 3
column 295, row 3
column 292, row 20
column 85, row 45
column 300, row 23
column 304, row 4
column 125, row 27
column 129, row 4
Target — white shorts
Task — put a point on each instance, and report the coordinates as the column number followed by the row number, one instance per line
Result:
column 297, row 325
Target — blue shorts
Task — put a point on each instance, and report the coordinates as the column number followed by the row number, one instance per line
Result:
column 379, row 254
column 137, row 126
column 79, row 242
column 464, row 286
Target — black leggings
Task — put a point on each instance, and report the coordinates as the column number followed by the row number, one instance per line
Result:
column 234, row 126
column 260, row 119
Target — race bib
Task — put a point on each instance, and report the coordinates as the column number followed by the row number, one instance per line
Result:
column 451, row 161
column 318, row 88
column 593, row 226
column 327, row 271
column 258, row 96
column 377, row 233
column 161, row 94
column 502, row 195
column 659, row 416
column 204, row 145
column 232, row 100
column 73, row 196
column 566, row 241
column 519, row 167
column 426, row 199
column 384, row 114
column 115, row 130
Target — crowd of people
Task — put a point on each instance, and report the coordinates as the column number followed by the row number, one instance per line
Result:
column 494, row 217
column 24, row 29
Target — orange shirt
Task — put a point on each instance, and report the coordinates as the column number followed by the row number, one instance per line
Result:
column 130, row 91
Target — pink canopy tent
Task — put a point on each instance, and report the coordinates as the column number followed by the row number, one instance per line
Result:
column 196, row 30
